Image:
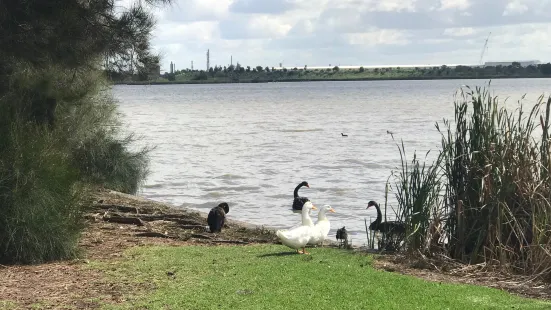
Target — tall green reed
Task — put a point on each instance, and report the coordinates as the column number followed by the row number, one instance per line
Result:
column 489, row 189
column 417, row 189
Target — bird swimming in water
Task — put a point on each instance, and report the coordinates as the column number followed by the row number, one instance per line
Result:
column 342, row 235
column 217, row 217
column 298, row 201
column 342, row 134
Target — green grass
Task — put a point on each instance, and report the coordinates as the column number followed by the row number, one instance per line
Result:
column 7, row 304
column 260, row 277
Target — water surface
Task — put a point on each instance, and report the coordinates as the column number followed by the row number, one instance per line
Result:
column 251, row 144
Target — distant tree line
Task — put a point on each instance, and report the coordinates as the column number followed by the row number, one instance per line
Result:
column 238, row 72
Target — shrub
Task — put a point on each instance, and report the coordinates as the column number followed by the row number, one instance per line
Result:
column 45, row 166
column 58, row 130
column 39, row 193
column 495, row 202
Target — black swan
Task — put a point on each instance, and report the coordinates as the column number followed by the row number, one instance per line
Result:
column 385, row 227
column 298, row 202
column 217, row 217
column 342, row 134
column 342, row 235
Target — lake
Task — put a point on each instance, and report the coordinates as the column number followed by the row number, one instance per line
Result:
column 251, row 144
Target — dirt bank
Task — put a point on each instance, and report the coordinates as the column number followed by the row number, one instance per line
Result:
column 115, row 222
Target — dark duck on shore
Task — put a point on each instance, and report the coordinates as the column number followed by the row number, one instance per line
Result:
column 342, row 235
column 391, row 227
column 298, row 201
column 217, row 217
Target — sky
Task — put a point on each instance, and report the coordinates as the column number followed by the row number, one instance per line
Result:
column 351, row 32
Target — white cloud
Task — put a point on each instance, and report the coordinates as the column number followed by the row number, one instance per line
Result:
column 460, row 32
column 319, row 32
column 377, row 37
column 253, row 27
column 261, row 7
column 196, row 10
column 193, row 31
column 454, row 4
column 515, row 8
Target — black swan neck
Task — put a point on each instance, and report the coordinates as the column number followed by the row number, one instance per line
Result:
column 379, row 214
column 296, row 190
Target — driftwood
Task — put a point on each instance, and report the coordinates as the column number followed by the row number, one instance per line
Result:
column 153, row 234
column 192, row 226
column 139, row 219
column 182, row 219
column 200, row 236
column 123, row 220
column 120, row 208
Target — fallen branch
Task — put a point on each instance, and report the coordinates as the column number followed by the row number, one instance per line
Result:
column 121, row 208
column 123, row 220
column 177, row 218
column 192, row 226
column 200, row 236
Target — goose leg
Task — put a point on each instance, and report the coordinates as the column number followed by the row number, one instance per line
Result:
column 304, row 251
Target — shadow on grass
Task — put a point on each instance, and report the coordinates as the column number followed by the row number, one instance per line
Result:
column 278, row 254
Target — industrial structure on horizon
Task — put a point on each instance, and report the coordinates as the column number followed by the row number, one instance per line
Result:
column 523, row 63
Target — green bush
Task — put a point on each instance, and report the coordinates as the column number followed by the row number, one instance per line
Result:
column 45, row 169
column 39, row 194
column 59, row 130
column 106, row 160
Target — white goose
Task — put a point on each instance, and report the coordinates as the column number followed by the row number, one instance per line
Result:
column 322, row 227
column 298, row 237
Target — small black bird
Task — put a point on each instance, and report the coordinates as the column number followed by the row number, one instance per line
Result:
column 342, row 134
column 217, row 217
column 342, row 235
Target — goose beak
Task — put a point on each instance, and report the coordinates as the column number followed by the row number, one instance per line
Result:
column 308, row 186
column 314, row 207
column 332, row 210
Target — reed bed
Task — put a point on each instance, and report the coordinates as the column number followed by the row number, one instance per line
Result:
column 486, row 198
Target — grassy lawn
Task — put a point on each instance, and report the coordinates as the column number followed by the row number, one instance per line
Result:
column 270, row 277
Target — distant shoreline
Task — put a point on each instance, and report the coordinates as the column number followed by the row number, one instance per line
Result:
column 250, row 81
